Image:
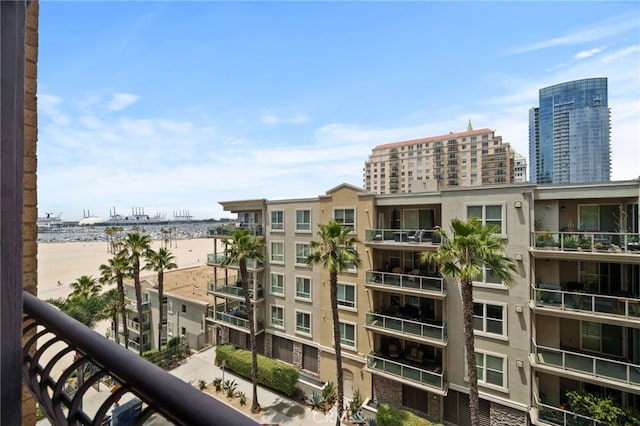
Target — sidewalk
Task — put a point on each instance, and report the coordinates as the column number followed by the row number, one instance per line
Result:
column 277, row 409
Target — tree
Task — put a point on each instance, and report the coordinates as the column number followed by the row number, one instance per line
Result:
column 471, row 249
column 336, row 252
column 117, row 269
column 238, row 249
column 135, row 246
column 112, row 233
column 85, row 286
column 159, row 262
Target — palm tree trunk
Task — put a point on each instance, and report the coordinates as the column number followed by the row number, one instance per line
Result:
column 466, row 289
column 136, row 282
column 160, row 307
column 333, row 279
column 255, row 405
column 123, row 311
column 114, row 320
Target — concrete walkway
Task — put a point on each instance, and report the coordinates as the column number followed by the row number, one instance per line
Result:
column 276, row 409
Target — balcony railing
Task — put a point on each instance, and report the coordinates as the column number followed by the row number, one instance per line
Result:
column 136, row 346
column 227, row 230
column 132, row 306
column 233, row 313
column 135, row 326
column 407, row 281
column 557, row 416
column 611, row 242
column 217, row 259
column 549, row 296
column 407, row 327
column 433, row 380
column 419, row 236
column 618, row 371
column 160, row 392
column 231, row 290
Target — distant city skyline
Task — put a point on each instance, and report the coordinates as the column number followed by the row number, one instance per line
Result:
column 179, row 105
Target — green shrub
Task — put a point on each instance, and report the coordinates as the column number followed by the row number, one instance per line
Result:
column 174, row 341
column 390, row 416
column 271, row 373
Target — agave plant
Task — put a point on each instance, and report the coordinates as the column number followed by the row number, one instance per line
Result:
column 243, row 398
column 230, row 387
column 217, row 384
column 358, row 418
column 316, row 400
column 202, row 384
column 329, row 393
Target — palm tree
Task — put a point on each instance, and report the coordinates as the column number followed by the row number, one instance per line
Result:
column 336, row 252
column 471, row 249
column 116, row 271
column 238, row 249
column 85, row 286
column 112, row 241
column 110, row 308
column 135, row 246
column 160, row 261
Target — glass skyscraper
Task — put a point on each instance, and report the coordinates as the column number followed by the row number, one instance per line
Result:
column 569, row 133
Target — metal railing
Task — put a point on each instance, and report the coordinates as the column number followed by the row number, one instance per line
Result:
column 217, row 259
column 406, row 371
column 407, row 281
column 557, row 416
column 227, row 230
column 611, row 242
column 407, row 327
column 231, row 290
column 160, row 392
column 419, row 236
column 623, row 372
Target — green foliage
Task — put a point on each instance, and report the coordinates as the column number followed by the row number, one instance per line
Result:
column 570, row 242
column 355, row 403
column 599, row 408
column 39, row 413
column 243, row 398
column 202, row 384
column 357, row 417
column 271, row 373
column 390, row 416
column 230, row 387
column 316, row 401
column 217, row 384
column 174, row 341
column 329, row 393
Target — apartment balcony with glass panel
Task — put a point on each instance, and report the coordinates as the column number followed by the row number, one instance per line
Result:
column 214, row 259
column 134, row 326
column 132, row 306
column 426, row 375
column 223, row 288
column 225, row 231
column 544, row 243
column 612, row 370
column 414, row 281
column 234, row 314
column 412, row 327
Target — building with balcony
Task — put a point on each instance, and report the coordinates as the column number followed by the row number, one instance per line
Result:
column 569, row 133
column 470, row 158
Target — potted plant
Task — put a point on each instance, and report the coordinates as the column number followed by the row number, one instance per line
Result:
column 570, row 242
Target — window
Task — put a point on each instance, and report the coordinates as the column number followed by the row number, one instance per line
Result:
column 277, row 284
column 277, row 316
column 489, row 319
column 347, row 217
column 347, row 295
column 491, row 369
column 303, row 288
column 277, row 219
column 348, row 334
column 277, row 252
column 184, row 309
column 302, row 251
column 303, row 220
column 303, row 322
column 489, row 215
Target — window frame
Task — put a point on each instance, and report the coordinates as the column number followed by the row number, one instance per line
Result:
column 482, row 370
column 279, row 226
column 342, row 334
column 344, row 210
column 271, row 252
column 271, row 286
column 483, row 332
column 349, row 303
column 298, row 293
column 309, row 331
column 304, row 257
column 271, row 316
column 299, row 223
column 483, row 218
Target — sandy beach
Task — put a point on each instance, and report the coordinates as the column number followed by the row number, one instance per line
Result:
column 66, row 262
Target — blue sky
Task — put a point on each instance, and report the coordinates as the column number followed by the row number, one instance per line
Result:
column 178, row 105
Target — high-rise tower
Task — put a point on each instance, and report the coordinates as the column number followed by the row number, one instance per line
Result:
column 569, row 133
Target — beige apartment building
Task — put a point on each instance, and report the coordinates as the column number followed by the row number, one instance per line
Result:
column 570, row 322
column 469, row 158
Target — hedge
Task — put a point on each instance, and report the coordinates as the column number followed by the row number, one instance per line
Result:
column 271, row 373
column 390, row 416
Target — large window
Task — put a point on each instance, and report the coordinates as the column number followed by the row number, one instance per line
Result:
column 303, row 322
column 604, row 338
column 489, row 215
column 347, row 295
column 277, row 219
column 277, row 316
column 491, row 369
column 277, row 252
column 347, row 217
column 303, row 288
column 302, row 251
column 303, row 220
column 489, row 319
column 347, row 334
column 277, row 284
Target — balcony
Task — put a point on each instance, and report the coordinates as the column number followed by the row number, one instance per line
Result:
column 220, row 288
column 226, row 230
column 552, row 298
column 543, row 414
column 161, row 394
column 395, row 236
column 133, row 345
column 583, row 243
column 431, row 380
column 133, row 306
column 217, row 260
column 390, row 281
column 233, row 315
column 135, row 326
column 407, row 328
column 586, row 366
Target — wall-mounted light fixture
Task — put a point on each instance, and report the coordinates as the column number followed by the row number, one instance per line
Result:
column 563, row 209
column 517, row 204
column 518, row 257
column 519, row 363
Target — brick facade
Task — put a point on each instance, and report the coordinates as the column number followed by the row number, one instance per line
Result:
column 297, row 355
column 387, row 391
column 504, row 416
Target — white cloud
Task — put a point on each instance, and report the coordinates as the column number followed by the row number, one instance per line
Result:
column 587, row 53
column 272, row 119
column 121, row 101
